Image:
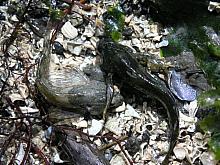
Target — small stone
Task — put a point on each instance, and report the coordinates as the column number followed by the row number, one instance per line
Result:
column 88, row 45
column 214, row 6
column 69, row 31
column 77, row 19
column 13, row 50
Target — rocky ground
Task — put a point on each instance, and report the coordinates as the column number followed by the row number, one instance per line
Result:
column 32, row 130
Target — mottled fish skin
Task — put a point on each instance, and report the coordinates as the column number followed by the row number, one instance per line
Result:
column 116, row 59
column 71, row 88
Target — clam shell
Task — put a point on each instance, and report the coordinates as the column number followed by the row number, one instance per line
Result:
column 69, row 31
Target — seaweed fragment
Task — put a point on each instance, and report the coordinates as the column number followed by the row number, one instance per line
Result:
column 114, row 22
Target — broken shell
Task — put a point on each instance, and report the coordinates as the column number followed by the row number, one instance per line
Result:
column 96, row 127
column 89, row 31
column 162, row 44
column 23, row 89
column 112, row 125
column 77, row 50
column 15, row 96
column 14, row 18
column 207, row 158
column 29, row 110
column 69, row 31
column 179, row 152
column 214, row 6
column 118, row 159
column 82, row 124
column 120, row 108
column 191, row 107
column 131, row 112
column 88, row 45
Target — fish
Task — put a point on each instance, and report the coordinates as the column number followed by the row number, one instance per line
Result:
column 117, row 59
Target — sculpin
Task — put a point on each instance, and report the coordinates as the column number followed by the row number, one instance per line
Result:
column 118, row 60
column 71, row 88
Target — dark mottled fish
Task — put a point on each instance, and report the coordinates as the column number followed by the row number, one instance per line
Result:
column 117, row 59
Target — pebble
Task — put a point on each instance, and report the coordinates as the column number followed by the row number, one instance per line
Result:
column 88, row 45
column 118, row 160
column 69, row 31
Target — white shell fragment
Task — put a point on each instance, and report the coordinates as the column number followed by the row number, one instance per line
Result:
column 96, row 127
column 82, row 124
column 131, row 112
column 15, row 97
column 163, row 43
column 14, row 18
column 23, row 89
column 180, row 152
column 77, row 50
column 29, row 110
column 191, row 107
column 89, row 31
column 112, row 125
column 118, row 160
column 69, row 31
column 56, row 156
column 214, row 6
column 207, row 158
column 20, row 155
column 121, row 108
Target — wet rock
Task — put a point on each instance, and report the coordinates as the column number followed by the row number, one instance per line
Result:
column 58, row 48
column 132, row 145
column 182, row 90
column 186, row 64
column 171, row 11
